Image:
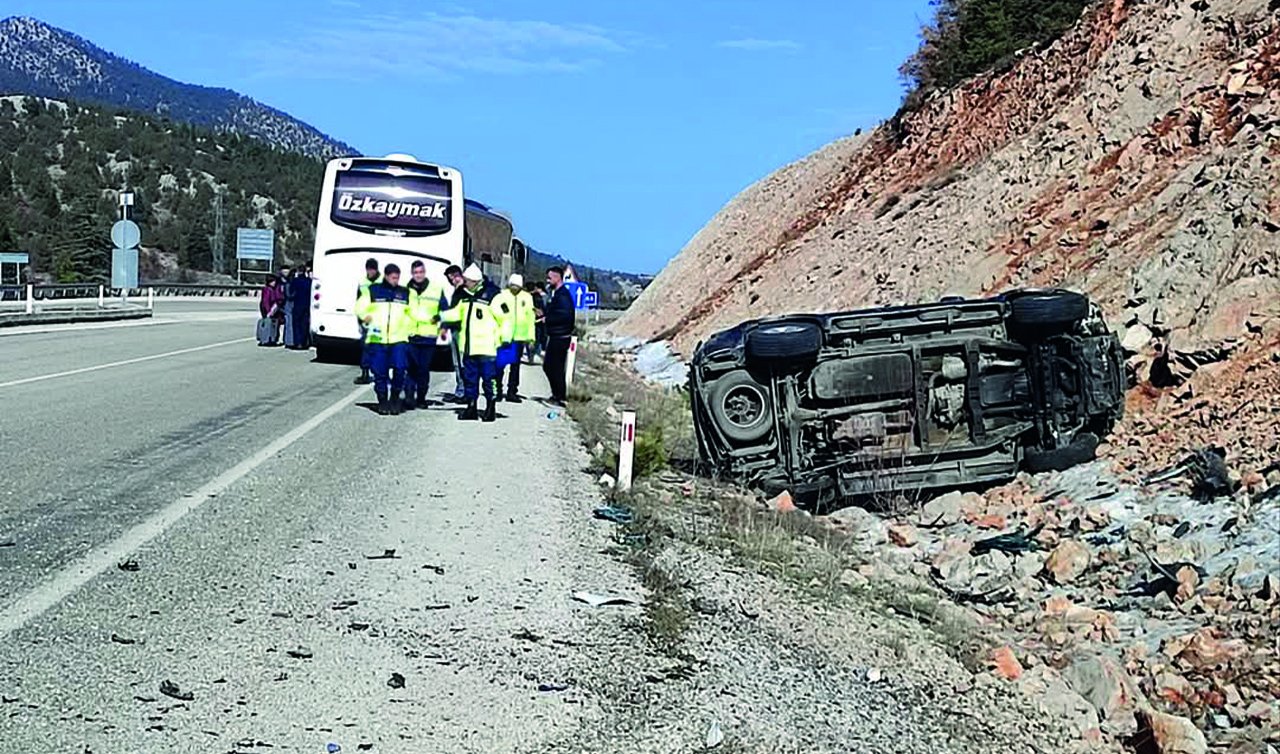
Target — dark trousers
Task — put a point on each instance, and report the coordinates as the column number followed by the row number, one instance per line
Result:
column 478, row 373
column 458, row 378
column 389, row 362
column 421, row 352
column 553, row 363
column 512, row 373
column 366, row 354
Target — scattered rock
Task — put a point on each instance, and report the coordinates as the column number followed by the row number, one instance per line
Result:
column 903, row 535
column 1068, row 561
column 1107, row 686
column 1172, row 734
column 174, row 691
column 782, row 503
column 943, row 511
column 851, row 579
column 1005, row 664
column 396, row 681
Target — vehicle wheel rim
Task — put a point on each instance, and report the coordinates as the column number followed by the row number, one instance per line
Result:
column 743, row 406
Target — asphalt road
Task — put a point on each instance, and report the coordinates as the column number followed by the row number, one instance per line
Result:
column 245, row 489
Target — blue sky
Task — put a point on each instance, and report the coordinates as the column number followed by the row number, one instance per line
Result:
column 610, row 130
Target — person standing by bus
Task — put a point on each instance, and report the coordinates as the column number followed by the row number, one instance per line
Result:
column 515, row 306
column 371, row 277
column 426, row 299
column 388, row 324
column 453, row 274
column 559, row 319
column 301, row 287
column 538, row 292
column 478, row 335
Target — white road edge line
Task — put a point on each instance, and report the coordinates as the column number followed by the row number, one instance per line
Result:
column 104, row 557
column 139, row 360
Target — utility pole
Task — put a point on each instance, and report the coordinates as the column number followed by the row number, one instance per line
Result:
column 219, row 241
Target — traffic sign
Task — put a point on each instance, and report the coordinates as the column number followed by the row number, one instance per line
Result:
column 254, row 243
column 14, row 257
column 590, row 299
column 124, row 268
column 125, row 234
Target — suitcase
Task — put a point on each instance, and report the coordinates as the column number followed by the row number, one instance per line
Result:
column 266, row 332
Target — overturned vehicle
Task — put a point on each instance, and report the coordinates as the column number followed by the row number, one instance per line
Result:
column 898, row 400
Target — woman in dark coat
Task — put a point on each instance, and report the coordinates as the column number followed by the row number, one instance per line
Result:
column 300, row 289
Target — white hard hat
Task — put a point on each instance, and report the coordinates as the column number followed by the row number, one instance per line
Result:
column 517, row 280
column 473, row 273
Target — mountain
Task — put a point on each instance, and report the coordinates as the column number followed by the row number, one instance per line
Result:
column 42, row 60
column 61, row 165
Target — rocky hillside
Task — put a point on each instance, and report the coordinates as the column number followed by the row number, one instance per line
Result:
column 42, row 60
column 1135, row 158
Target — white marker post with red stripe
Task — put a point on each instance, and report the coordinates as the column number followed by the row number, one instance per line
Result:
column 626, row 450
column 570, row 361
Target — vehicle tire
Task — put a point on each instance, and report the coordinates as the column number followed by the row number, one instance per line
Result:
column 1083, row 449
column 740, row 407
column 784, row 341
column 326, row 354
column 1046, row 311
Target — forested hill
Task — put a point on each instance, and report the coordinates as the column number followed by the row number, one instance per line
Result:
column 45, row 61
column 61, row 165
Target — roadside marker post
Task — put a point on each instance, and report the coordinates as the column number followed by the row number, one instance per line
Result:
column 102, row 296
column 31, row 299
column 626, row 450
column 151, row 298
column 570, row 361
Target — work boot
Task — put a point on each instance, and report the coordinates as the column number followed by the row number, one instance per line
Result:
column 490, row 409
column 363, row 379
column 383, row 408
column 396, row 406
column 407, row 404
column 514, row 397
column 469, row 414
column 423, row 403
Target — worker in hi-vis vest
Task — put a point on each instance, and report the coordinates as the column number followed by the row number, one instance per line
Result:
column 371, row 276
column 426, row 299
column 479, row 332
column 515, row 310
column 384, row 311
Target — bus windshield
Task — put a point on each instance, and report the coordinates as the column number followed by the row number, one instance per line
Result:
column 394, row 201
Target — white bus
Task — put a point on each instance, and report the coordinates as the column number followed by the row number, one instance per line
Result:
column 392, row 209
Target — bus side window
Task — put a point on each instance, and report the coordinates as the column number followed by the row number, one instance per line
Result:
column 466, row 248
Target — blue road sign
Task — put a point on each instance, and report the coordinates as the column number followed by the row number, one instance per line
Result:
column 124, row 268
column 126, row 234
column 252, row 243
column 14, row 257
column 590, row 300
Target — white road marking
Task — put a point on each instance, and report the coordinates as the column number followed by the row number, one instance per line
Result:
column 76, row 575
column 139, row 360
column 75, row 327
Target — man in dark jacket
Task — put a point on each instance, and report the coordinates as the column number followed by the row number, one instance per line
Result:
column 559, row 322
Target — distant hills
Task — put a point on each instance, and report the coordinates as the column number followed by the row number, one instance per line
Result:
column 43, row 60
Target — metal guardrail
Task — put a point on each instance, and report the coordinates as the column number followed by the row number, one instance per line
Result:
column 94, row 290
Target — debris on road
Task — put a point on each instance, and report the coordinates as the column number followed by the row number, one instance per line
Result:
column 131, row 566
column 344, row 604
column 617, row 514
column 388, row 554
column 439, row 570
column 550, row 688
column 118, row 639
column 525, row 634
column 174, row 691
column 396, row 681
column 600, row 600
column 301, row 653
column 715, row 736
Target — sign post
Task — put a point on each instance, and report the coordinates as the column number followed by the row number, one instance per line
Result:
column 570, row 361
column 626, row 450
column 126, row 235
column 254, row 244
